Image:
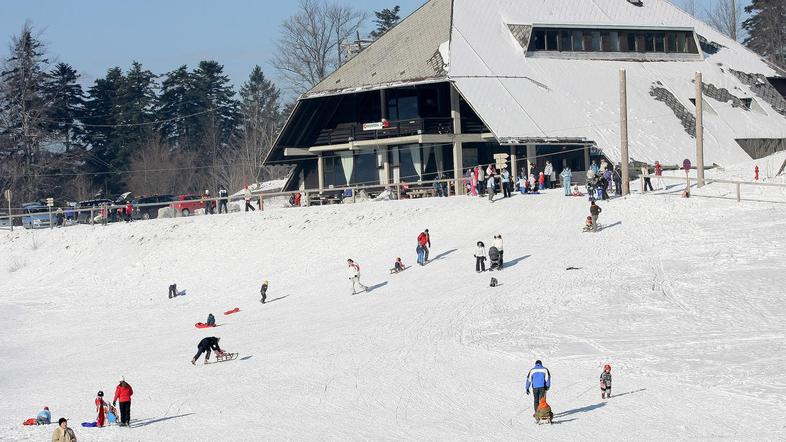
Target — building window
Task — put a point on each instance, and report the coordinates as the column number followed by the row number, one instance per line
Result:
column 551, row 40
column 538, row 41
column 596, row 41
column 578, row 41
column 611, row 40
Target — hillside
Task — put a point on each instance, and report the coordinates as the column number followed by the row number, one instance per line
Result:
column 684, row 298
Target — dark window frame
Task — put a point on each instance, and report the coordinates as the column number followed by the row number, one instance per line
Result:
column 553, row 39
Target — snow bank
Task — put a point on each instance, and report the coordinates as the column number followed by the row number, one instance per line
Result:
column 685, row 305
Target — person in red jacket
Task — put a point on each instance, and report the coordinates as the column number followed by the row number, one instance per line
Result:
column 424, row 239
column 129, row 211
column 101, row 409
column 123, row 392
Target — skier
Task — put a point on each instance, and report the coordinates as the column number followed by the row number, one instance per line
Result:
column 498, row 244
column 211, row 320
column 605, row 382
column 263, row 291
column 353, row 271
column 247, row 198
column 594, row 212
column 566, row 176
column 44, row 417
column 424, row 239
column 63, row 433
column 222, row 202
column 204, row 346
column 480, row 257
column 539, row 379
column 123, row 393
column 101, row 409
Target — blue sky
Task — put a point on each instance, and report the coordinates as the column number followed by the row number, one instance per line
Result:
column 94, row 35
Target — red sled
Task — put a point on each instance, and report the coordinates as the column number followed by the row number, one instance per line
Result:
column 31, row 421
column 203, row 325
column 234, row 310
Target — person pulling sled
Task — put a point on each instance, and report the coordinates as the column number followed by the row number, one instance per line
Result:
column 208, row 344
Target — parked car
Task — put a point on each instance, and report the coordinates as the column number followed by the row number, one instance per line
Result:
column 85, row 206
column 5, row 221
column 36, row 216
column 151, row 212
column 186, row 205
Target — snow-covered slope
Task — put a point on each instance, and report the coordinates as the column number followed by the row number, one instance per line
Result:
column 683, row 297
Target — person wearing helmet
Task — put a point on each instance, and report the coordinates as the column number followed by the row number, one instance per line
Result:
column 605, row 382
column 263, row 292
column 100, row 409
column 204, row 346
column 539, row 379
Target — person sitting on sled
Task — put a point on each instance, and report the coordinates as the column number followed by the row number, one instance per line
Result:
column 543, row 412
column 211, row 320
column 44, row 417
column 587, row 224
column 605, row 382
column 398, row 266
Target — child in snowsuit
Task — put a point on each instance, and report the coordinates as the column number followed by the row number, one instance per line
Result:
column 263, row 292
column 398, row 266
column 588, row 224
column 101, row 409
column 605, row 382
column 544, row 411
column 211, row 320
column 204, row 346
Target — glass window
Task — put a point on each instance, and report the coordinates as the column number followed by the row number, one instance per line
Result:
column 671, row 45
column 565, row 41
column 682, row 44
column 660, row 42
column 407, row 107
column 578, row 41
column 365, row 168
column 691, row 43
column 551, row 40
column 596, row 41
column 538, row 41
column 641, row 44
column 649, row 42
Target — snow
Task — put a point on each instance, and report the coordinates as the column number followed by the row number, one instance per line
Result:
column 683, row 297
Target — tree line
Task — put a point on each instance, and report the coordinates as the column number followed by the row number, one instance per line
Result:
column 134, row 130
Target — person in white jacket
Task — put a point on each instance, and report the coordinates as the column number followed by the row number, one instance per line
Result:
column 498, row 244
column 550, row 176
column 480, row 257
column 353, row 272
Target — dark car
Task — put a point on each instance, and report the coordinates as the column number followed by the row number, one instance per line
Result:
column 144, row 211
column 84, row 209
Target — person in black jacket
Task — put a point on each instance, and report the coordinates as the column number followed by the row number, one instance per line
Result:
column 205, row 345
column 594, row 212
column 222, row 202
column 263, row 292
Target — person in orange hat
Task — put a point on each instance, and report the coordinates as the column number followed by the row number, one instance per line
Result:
column 543, row 413
column 605, row 382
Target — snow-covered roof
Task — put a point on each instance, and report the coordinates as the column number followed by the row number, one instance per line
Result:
column 522, row 98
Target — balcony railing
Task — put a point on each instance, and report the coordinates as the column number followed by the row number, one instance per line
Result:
column 348, row 132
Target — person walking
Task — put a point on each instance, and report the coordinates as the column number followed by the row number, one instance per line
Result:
column 424, row 240
column 566, row 176
column 539, row 379
column 480, row 257
column 204, row 346
column 594, row 213
column 498, row 244
column 123, row 393
column 247, row 198
column 353, row 271
column 505, row 176
column 63, row 433
column 645, row 175
column 659, row 177
column 100, row 409
column 223, row 198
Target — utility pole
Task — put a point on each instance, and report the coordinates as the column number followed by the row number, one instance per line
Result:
column 624, row 161
column 699, row 131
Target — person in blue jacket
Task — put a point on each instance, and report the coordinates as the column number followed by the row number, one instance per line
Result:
column 44, row 417
column 566, row 177
column 539, row 379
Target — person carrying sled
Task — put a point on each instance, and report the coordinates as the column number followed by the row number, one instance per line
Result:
column 539, row 379
column 480, row 257
column 123, row 393
column 205, row 346
column 353, row 271
column 100, row 409
column 594, row 212
column 263, row 292
column 424, row 240
column 44, row 417
column 211, row 320
column 605, row 382
column 543, row 412
column 63, row 433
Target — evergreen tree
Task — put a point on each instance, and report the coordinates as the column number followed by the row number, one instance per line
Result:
column 135, row 111
column 214, row 98
column 100, row 132
column 767, row 29
column 260, row 108
column 23, row 113
column 66, row 104
column 385, row 20
column 176, row 101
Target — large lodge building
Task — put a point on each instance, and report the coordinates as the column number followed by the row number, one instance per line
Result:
column 461, row 80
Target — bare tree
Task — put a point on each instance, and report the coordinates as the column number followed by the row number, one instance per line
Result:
column 726, row 17
column 309, row 48
column 158, row 169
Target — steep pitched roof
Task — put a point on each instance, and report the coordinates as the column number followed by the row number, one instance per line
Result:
column 410, row 52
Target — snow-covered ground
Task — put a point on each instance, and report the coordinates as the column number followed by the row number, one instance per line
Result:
column 683, row 297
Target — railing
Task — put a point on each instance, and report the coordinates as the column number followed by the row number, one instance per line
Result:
column 344, row 133
column 737, row 184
